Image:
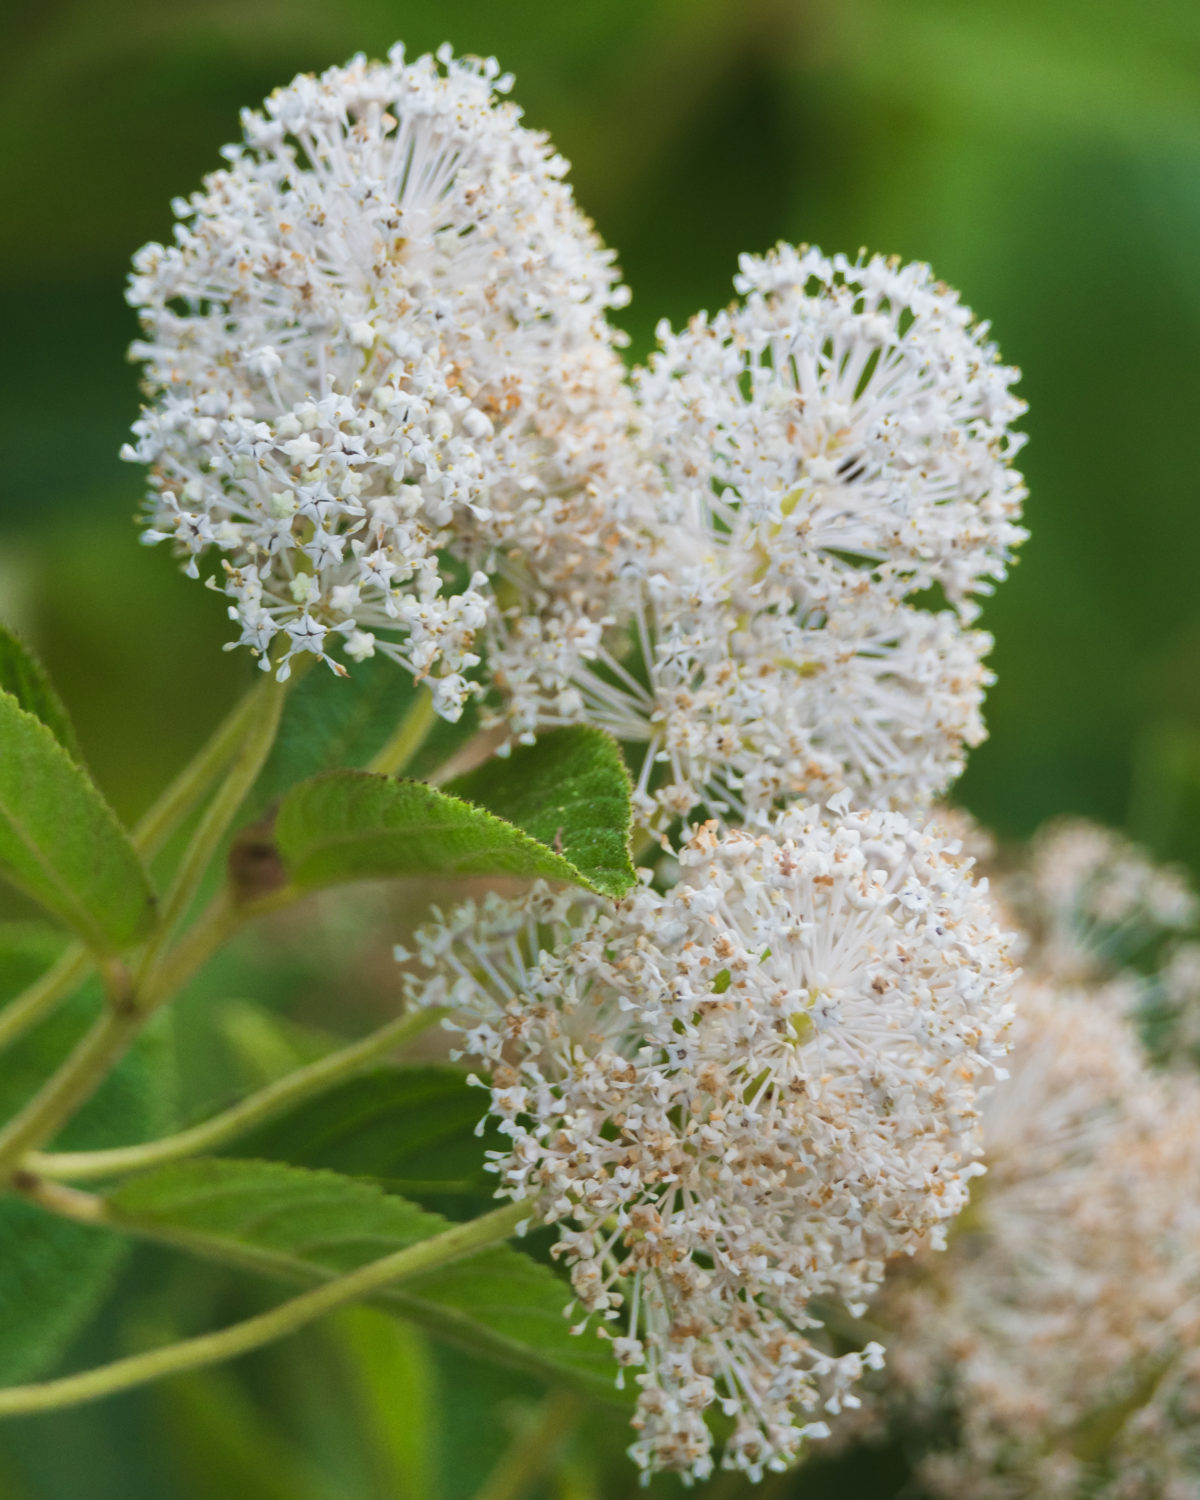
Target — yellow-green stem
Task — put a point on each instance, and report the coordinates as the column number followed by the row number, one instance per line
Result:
column 174, row 804
column 262, row 726
column 161, row 973
column 155, row 827
column 290, row 1316
column 304, row 1083
column 408, row 738
column 534, row 1449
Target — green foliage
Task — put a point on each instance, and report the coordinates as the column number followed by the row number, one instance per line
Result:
column 22, row 675
column 59, row 840
column 410, row 1129
column 53, row 1274
column 350, row 825
column 395, row 1384
column 331, row 723
column 306, row 1226
column 228, row 1448
column 569, row 790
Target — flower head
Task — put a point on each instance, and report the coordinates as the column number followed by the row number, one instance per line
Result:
column 375, row 354
column 1096, row 901
column 735, row 1098
column 812, row 459
column 1061, row 1323
column 744, row 705
column 848, row 417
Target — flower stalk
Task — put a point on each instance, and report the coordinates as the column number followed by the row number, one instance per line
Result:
column 410, row 734
column 150, row 834
column 289, row 1317
column 210, row 1135
column 161, row 972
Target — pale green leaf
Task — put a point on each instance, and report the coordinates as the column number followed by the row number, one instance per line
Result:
column 22, row 675
column 61, row 843
column 308, row 1226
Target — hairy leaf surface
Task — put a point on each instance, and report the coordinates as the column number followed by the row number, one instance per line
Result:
column 571, row 788
column 571, row 791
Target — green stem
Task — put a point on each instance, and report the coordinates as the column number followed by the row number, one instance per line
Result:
column 211, row 1348
column 174, row 804
column 85, row 1166
column 409, row 736
column 160, row 974
column 64, row 975
column 155, row 827
column 251, row 754
column 534, row 1449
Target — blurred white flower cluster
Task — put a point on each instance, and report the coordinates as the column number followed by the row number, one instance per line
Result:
column 387, row 415
column 1063, row 1324
column 1060, row 1331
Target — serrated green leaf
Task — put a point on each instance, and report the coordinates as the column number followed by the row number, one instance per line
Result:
column 354, row 826
column 413, row 1130
column 331, row 724
column 307, row 1226
column 53, row 1274
column 571, row 791
column 22, row 675
column 61, row 843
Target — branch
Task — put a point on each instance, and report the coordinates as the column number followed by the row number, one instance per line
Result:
column 211, row 1348
column 159, row 974
column 84, row 1166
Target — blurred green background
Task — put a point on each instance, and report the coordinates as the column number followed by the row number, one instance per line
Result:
column 1044, row 157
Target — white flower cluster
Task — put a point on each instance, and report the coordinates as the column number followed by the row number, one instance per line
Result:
column 383, row 389
column 738, row 1096
column 384, row 396
column 1095, row 901
column 848, row 417
column 1063, row 1323
column 375, row 353
column 1100, row 912
column 833, row 446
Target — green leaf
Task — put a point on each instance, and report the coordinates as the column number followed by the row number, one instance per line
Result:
column 22, row 675
column 61, row 843
column 331, row 724
column 395, row 1382
column 350, row 825
column 413, row 1130
column 307, row 1226
column 53, row 1274
column 227, row 1447
column 569, row 790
